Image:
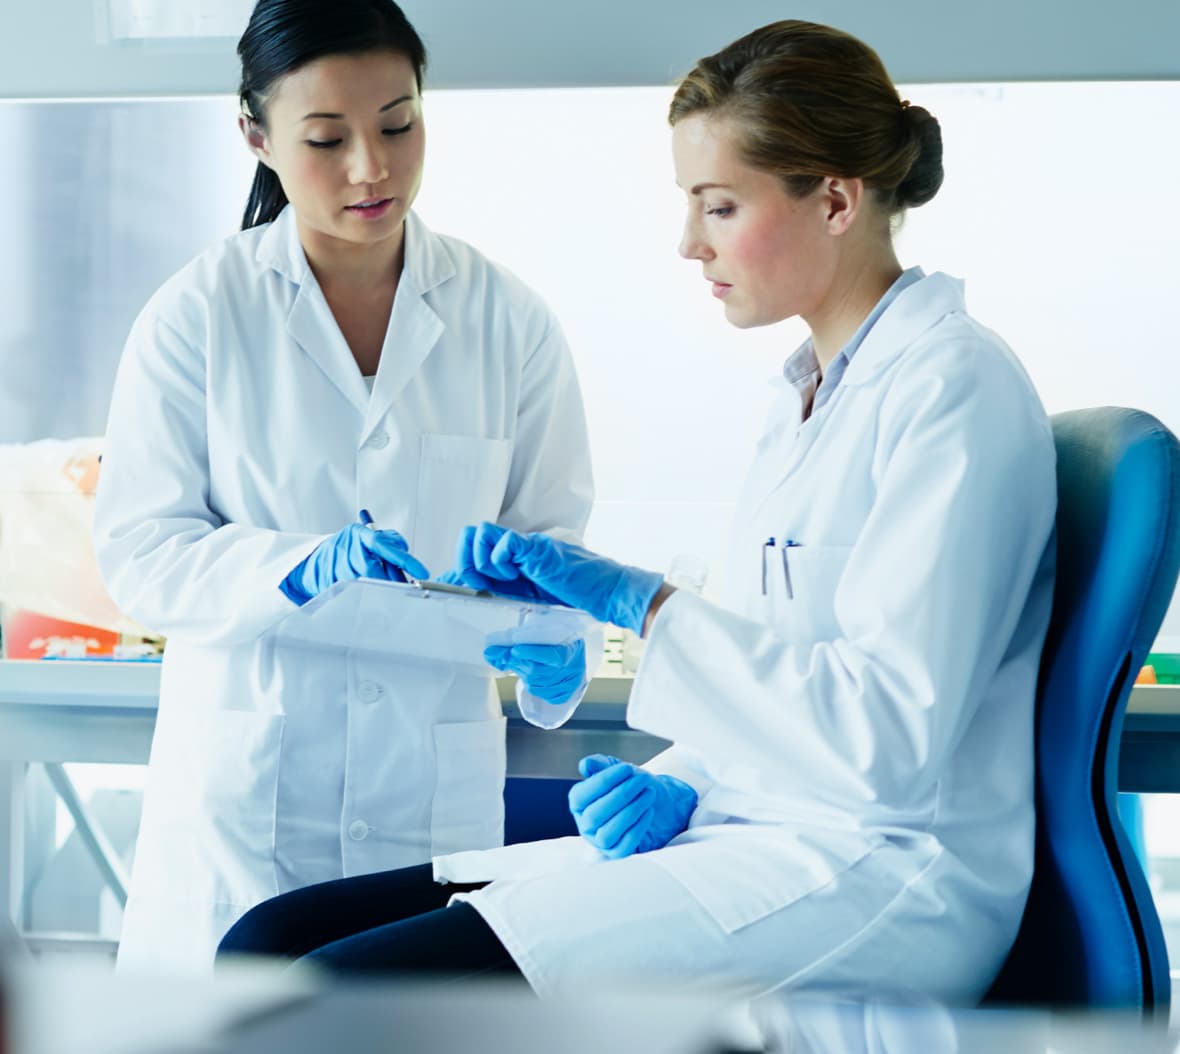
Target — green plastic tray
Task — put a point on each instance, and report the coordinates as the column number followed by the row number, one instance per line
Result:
column 1167, row 667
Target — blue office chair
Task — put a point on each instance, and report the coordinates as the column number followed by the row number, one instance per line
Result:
column 1090, row 934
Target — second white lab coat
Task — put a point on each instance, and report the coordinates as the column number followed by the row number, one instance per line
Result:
column 241, row 434
column 862, row 739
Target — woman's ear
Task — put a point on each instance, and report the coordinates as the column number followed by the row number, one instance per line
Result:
column 843, row 199
column 255, row 138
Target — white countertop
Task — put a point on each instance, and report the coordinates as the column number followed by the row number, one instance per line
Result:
column 65, row 710
column 136, row 685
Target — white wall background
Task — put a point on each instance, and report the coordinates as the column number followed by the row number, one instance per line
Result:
column 574, row 190
column 1056, row 210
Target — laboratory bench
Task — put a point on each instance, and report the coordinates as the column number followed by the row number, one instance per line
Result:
column 92, row 711
column 1149, row 753
column 64, row 711
column 60, row 711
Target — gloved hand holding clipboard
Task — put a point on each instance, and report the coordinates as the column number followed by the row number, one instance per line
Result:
column 424, row 622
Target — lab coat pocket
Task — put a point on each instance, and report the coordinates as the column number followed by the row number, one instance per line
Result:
column 740, row 874
column 468, row 807
column 461, row 481
column 814, row 574
column 213, row 786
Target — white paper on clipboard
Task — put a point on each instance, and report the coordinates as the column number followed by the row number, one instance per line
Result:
column 404, row 622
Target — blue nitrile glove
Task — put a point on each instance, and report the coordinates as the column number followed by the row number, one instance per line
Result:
column 552, row 672
column 537, row 567
column 357, row 551
column 622, row 809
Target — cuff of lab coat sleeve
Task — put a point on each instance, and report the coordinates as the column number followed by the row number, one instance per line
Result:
column 680, row 763
column 277, row 602
column 656, row 698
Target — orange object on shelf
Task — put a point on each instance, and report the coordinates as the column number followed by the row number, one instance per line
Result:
column 30, row 635
column 1147, row 675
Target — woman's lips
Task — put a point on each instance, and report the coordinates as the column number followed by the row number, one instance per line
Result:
column 370, row 210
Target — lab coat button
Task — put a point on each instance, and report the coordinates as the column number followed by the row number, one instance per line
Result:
column 368, row 691
column 377, row 441
column 358, row 830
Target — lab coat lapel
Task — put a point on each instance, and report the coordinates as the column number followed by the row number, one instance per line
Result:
column 414, row 326
column 780, row 463
column 914, row 312
column 310, row 322
column 786, row 440
column 773, row 447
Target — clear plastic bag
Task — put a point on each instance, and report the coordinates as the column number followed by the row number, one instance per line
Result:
column 47, row 560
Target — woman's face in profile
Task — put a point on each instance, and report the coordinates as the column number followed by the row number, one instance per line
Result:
column 768, row 256
column 345, row 136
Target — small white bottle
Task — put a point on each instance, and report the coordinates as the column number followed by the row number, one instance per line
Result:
column 688, row 571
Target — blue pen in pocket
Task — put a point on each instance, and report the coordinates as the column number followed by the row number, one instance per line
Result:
column 788, row 544
column 770, row 543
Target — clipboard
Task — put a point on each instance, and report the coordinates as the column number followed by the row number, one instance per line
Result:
column 421, row 625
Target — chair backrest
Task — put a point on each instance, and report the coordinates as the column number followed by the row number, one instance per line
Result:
column 1090, row 934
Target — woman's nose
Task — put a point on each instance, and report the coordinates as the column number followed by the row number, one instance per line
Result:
column 692, row 247
column 368, row 164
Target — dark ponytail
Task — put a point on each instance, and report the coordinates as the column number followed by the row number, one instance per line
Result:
column 267, row 198
column 284, row 35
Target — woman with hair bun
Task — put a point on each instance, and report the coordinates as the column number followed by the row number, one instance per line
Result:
column 848, row 800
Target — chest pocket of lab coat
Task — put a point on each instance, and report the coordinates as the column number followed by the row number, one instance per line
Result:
column 461, row 481
column 815, row 572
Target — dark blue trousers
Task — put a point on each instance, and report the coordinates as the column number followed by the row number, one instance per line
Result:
column 390, row 922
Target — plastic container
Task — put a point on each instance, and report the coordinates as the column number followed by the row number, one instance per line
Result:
column 1166, row 666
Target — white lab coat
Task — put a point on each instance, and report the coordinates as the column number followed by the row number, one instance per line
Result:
column 241, row 434
column 863, row 747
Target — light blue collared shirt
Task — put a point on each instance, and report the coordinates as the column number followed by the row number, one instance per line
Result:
column 802, row 368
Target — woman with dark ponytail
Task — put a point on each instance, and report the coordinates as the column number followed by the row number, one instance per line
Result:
column 848, row 800
column 284, row 37
column 330, row 394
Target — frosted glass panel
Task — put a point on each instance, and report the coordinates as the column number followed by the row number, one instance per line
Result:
column 105, row 201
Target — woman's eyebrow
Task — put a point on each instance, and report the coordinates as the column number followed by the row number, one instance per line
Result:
column 340, row 116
